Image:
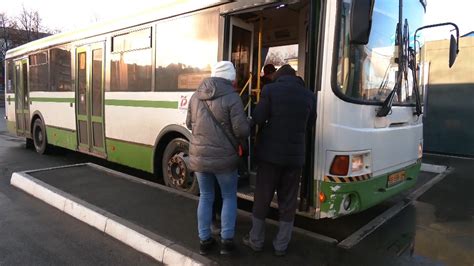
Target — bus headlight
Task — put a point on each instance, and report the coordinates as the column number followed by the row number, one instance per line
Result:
column 357, row 163
column 360, row 163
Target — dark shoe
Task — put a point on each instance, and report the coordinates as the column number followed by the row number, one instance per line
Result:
column 279, row 253
column 215, row 228
column 250, row 244
column 206, row 245
column 227, row 246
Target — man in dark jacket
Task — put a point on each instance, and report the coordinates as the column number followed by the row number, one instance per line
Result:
column 212, row 153
column 285, row 111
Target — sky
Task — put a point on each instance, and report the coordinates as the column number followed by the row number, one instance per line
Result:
column 67, row 15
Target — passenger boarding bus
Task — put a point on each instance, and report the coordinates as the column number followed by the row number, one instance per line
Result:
column 119, row 90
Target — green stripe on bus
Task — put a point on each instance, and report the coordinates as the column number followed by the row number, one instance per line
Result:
column 135, row 155
column 65, row 138
column 143, row 103
column 52, row 100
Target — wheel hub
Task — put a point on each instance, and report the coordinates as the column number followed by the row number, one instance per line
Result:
column 178, row 171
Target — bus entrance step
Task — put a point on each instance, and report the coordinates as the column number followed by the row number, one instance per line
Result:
column 156, row 214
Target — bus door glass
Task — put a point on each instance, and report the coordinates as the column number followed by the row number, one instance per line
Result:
column 241, row 54
column 240, row 51
column 22, row 108
column 90, row 98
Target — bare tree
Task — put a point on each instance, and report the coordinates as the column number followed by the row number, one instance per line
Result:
column 5, row 24
column 30, row 22
column 276, row 58
column 15, row 31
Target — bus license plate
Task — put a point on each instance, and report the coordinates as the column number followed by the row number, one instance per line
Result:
column 396, row 178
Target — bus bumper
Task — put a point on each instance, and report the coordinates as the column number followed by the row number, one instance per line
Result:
column 352, row 197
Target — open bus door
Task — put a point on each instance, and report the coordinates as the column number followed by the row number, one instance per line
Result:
column 22, row 107
column 276, row 25
column 241, row 55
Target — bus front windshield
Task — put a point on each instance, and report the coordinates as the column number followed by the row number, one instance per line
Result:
column 367, row 73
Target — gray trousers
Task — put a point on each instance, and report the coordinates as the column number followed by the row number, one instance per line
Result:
column 284, row 180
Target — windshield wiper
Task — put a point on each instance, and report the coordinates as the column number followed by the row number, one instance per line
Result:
column 413, row 67
column 406, row 59
column 388, row 102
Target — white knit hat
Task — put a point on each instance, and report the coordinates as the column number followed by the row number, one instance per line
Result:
column 223, row 69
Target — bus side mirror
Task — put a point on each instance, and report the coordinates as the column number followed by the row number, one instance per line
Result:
column 361, row 21
column 453, row 50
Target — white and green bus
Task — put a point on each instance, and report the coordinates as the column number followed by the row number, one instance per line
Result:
column 119, row 90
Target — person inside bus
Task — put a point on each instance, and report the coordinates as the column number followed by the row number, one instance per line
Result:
column 268, row 72
column 217, row 120
column 286, row 109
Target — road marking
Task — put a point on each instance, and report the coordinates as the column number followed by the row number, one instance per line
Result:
column 449, row 156
column 433, row 168
column 378, row 221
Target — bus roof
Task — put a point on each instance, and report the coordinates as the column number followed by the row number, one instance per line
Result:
column 159, row 12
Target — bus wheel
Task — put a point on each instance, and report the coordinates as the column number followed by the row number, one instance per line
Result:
column 39, row 137
column 29, row 143
column 175, row 165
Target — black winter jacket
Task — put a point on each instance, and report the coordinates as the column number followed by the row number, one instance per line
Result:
column 286, row 109
column 210, row 151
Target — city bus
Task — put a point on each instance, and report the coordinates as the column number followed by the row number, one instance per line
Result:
column 119, row 90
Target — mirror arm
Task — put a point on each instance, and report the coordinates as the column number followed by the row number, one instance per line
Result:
column 439, row 25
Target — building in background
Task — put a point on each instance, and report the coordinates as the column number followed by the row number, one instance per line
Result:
column 449, row 100
column 11, row 38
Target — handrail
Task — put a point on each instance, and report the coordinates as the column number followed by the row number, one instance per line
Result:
column 247, row 84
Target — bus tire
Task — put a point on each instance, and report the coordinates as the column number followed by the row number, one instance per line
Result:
column 40, row 140
column 29, row 143
column 175, row 165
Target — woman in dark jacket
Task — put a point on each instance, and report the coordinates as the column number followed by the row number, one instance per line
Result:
column 212, row 156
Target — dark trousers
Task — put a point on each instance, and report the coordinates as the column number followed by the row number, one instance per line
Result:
column 282, row 179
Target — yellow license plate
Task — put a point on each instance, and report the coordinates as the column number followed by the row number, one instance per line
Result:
column 396, row 178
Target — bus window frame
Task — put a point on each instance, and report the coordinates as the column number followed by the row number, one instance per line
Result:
column 33, row 53
column 109, row 53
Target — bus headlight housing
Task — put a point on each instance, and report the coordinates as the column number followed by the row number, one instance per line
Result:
column 352, row 164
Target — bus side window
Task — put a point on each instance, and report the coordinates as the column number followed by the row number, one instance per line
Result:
column 60, row 75
column 186, row 48
column 38, row 72
column 131, row 61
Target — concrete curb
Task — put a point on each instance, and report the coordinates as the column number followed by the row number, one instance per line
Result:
column 158, row 247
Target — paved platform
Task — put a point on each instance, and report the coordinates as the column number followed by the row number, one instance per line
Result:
column 149, row 209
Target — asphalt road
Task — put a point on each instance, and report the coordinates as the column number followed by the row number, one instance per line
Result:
column 33, row 233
